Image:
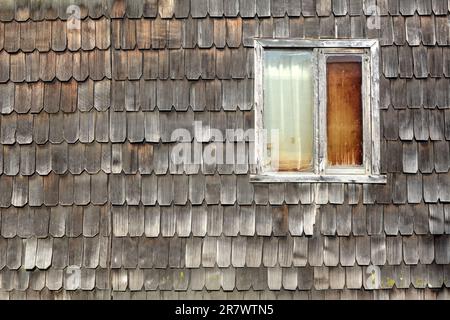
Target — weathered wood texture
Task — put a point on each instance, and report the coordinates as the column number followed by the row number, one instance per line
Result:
column 92, row 205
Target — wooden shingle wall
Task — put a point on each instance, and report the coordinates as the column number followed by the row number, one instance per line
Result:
column 92, row 206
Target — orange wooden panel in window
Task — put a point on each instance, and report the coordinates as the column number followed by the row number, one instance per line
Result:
column 344, row 111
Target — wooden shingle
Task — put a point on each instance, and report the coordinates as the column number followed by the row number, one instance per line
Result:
column 134, row 9
column 413, row 32
column 390, row 61
column 407, row 7
column 168, row 221
column 12, row 37
column 81, row 65
column 347, row 247
column 18, row 69
column 426, row 249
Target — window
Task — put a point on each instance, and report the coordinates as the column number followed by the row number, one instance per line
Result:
column 317, row 115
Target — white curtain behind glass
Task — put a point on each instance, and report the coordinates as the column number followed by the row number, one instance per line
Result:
column 288, row 107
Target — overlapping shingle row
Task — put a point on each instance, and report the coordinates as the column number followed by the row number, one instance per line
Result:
column 76, row 186
column 54, row 36
column 142, row 95
column 209, row 258
column 230, row 221
column 50, row 10
column 346, row 294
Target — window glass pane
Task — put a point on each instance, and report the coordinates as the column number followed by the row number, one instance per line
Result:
column 344, row 111
column 288, row 109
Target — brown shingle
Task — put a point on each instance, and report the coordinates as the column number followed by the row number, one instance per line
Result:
column 143, row 34
column 234, row 32
column 18, row 69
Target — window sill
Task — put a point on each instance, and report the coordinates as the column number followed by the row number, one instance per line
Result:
column 312, row 178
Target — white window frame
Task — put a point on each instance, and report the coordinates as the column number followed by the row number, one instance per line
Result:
column 370, row 172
